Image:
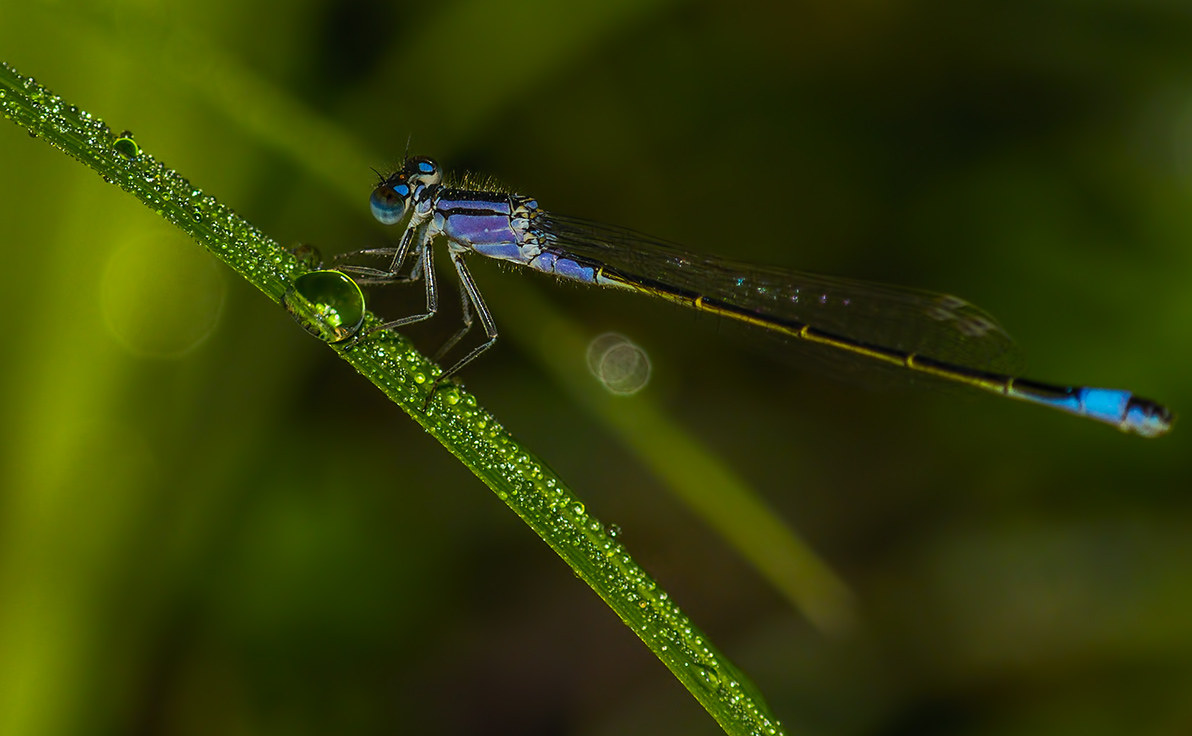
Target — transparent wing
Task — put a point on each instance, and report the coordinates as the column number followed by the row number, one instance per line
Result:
column 939, row 326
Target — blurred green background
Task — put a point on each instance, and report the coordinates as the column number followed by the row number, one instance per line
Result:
column 209, row 524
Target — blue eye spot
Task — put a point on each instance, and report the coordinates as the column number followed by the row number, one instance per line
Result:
column 388, row 204
column 423, row 170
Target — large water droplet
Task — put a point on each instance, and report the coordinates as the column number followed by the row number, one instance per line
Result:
column 328, row 304
column 126, row 146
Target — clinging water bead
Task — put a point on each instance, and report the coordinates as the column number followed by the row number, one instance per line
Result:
column 126, row 146
column 917, row 333
column 328, row 304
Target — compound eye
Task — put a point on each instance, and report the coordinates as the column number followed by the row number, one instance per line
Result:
column 389, row 203
column 423, row 170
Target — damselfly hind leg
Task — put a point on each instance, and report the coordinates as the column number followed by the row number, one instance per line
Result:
column 469, row 293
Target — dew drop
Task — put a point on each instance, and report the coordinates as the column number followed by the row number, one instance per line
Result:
column 707, row 677
column 307, row 255
column 328, row 304
column 126, row 146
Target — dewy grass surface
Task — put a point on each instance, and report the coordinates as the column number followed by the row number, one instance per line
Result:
column 519, row 478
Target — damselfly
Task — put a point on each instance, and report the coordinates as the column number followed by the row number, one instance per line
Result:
column 915, row 332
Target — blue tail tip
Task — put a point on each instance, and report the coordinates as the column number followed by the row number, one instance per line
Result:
column 1147, row 418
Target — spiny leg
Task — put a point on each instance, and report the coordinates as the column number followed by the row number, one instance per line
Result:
column 426, row 265
column 466, row 308
column 366, row 276
column 471, row 293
